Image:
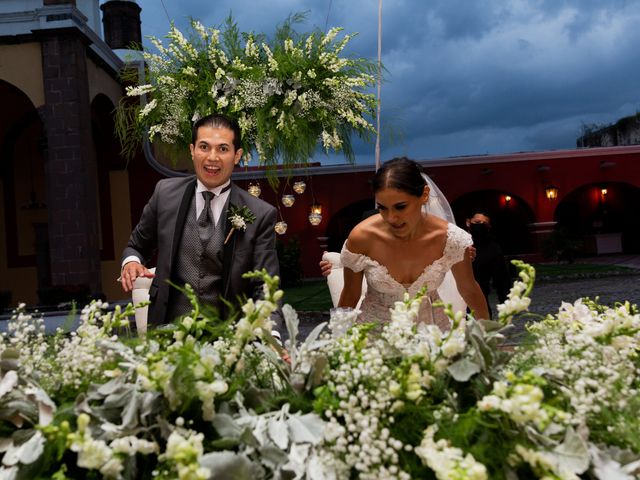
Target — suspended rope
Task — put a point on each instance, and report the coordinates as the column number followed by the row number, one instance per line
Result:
column 165, row 11
column 379, row 83
column 326, row 22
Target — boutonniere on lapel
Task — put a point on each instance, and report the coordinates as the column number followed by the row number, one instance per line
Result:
column 239, row 217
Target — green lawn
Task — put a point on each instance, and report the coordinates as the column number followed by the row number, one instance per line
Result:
column 309, row 296
column 314, row 295
column 578, row 269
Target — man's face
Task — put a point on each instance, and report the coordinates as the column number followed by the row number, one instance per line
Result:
column 214, row 155
column 479, row 218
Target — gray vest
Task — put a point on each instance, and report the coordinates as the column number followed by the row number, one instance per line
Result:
column 198, row 265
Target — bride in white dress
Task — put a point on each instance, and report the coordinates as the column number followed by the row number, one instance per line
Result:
column 412, row 242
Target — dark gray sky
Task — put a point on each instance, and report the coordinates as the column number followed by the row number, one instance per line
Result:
column 466, row 77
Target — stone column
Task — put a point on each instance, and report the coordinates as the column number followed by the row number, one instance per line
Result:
column 70, row 164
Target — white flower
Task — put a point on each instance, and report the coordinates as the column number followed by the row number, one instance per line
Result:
column 238, row 222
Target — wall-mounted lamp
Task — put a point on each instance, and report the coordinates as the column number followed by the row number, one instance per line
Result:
column 315, row 214
column 603, row 194
column 507, row 199
column 551, row 192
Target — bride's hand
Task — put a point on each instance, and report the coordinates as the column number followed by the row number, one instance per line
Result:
column 471, row 251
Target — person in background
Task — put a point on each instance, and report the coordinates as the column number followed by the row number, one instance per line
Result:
column 489, row 265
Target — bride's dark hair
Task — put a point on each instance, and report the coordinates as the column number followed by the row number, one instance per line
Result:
column 402, row 174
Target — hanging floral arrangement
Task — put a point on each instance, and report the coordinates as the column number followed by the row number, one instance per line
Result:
column 288, row 95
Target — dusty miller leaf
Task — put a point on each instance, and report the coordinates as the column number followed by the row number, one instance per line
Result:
column 463, row 369
column 278, row 433
column 227, row 466
column 308, row 428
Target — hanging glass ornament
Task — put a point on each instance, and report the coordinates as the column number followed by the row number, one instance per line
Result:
column 281, row 227
column 315, row 214
column 299, row 187
column 288, row 200
column 254, row 189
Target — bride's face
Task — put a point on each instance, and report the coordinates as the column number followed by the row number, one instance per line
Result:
column 401, row 210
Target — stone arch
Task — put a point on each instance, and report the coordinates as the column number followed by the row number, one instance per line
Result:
column 510, row 219
column 24, row 193
column 602, row 222
column 104, row 133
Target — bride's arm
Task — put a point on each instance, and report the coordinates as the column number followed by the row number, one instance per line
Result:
column 469, row 288
column 352, row 289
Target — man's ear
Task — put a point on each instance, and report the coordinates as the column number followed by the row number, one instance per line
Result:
column 238, row 156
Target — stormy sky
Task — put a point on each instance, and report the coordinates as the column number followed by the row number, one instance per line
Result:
column 466, row 77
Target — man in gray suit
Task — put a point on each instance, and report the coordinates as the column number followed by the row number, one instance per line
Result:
column 195, row 244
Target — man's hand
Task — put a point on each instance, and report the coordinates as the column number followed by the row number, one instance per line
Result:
column 130, row 272
column 471, row 251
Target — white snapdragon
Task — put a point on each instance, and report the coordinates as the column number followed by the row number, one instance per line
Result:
column 454, row 344
column 184, row 452
column 447, row 462
column 251, row 50
column 273, row 64
column 330, row 35
column 139, row 90
column 148, row 108
column 207, row 392
column 521, row 402
column 517, row 300
column 93, row 454
column 132, row 445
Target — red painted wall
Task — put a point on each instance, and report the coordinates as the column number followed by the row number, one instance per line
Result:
column 524, row 176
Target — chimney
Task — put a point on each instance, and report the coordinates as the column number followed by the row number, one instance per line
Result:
column 121, row 20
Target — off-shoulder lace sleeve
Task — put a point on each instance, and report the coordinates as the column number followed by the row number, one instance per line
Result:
column 457, row 242
column 354, row 261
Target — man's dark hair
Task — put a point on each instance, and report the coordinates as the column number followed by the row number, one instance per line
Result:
column 402, row 174
column 479, row 211
column 217, row 121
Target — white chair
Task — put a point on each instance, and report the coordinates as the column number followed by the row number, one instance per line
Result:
column 335, row 280
column 140, row 293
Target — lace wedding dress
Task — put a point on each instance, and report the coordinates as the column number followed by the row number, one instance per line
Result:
column 383, row 290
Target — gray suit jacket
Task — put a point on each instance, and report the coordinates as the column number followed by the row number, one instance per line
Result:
column 160, row 229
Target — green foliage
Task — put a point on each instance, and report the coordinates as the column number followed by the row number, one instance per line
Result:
column 359, row 399
column 561, row 245
column 289, row 259
column 288, row 93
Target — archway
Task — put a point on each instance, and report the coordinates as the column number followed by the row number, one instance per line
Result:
column 24, row 193
column 343, row 221
column 603, row 216
column 510, row 216
column 108, row 158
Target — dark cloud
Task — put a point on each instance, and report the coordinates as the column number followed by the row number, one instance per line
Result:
column 469, row 77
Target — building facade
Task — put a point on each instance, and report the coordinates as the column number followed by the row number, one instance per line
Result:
column 63, row 220
column 68, row 200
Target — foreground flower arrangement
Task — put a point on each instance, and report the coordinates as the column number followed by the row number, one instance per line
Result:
column 288, row 94
column 210, row 399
